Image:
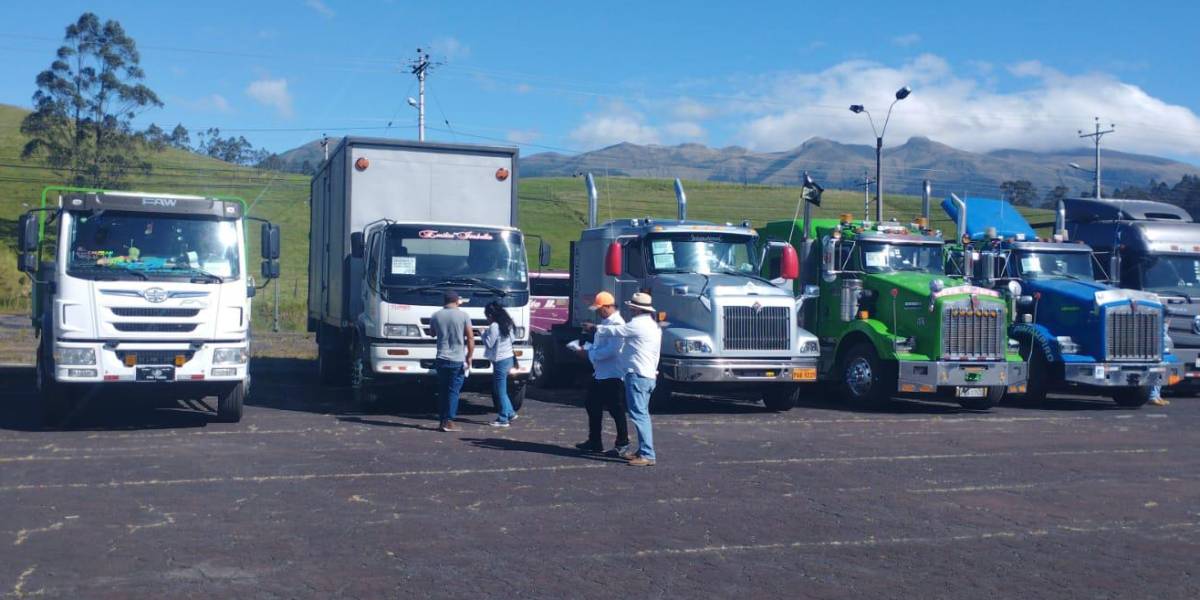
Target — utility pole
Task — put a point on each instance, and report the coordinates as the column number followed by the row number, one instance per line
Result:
column 420, row 67
column 1096, row 138
column 866, row 182
column 325, row 145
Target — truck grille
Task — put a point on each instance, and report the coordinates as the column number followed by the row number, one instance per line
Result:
column 155, row 312
column 764, row 328
column 155, row 327
column 973, row 334
column 1133, row 334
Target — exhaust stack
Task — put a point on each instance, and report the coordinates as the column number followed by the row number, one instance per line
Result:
column 1060, row 219
column 968, row 253
column 962, row 215
column 681, row 198
column 926, row 191
column 593, row 200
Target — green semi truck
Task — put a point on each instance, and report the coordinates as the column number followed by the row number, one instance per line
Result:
column 891, row 321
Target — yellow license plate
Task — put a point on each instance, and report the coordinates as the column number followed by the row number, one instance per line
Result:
column 809, row 374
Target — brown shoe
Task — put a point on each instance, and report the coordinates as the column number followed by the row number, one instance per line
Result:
column 640, row 461
column 630, row 454
column 1160, row 402
column 449, row 426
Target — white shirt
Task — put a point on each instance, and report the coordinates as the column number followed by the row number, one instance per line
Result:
column 605, row 352
column 643, row 342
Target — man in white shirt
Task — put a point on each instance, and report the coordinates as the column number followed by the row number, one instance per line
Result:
column 607, row 390
column 639, row 359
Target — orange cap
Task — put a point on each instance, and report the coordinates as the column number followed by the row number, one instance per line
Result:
column 602, row 299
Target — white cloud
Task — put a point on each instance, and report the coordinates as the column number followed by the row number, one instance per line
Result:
column 272, row 93
column 906, row 40
column 450, row 48
column 523, row 136
column 320, row 7
column 616, row 123
column 684, row 131
column 209, row 103
column 961, row 110
column 693, row 110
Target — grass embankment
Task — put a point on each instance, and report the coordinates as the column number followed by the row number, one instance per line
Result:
column 554, row 208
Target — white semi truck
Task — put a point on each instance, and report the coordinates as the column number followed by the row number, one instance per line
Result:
column 395, row 225
column 135, row 288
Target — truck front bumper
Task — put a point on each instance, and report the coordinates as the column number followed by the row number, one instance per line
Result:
column 149, row 362
column 927, row 376
column 688, row 370
column 401, row 360
column 1116, row 374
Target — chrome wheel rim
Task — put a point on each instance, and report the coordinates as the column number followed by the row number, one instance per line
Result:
column 859, row 377
column 535, row 369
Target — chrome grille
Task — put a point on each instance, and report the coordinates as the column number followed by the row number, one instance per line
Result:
column 973, row 334
column 764, row 328
column 126, row 311
column 155, row 327
column 1133, row 334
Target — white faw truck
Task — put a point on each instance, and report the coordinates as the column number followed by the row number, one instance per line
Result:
column 396, row 224
column 135, row 289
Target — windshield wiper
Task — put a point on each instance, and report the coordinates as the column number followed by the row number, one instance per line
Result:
column 744, row 274
column 111, row 273
column 202, row 274
column 479, row 282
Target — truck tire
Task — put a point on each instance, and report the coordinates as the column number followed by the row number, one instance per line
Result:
column 516, row 394
column 1039, row 372
column 781, row 398
column 994, row 395
column 230, row 401
column 1132, row 397
column 866, row 380
column 546, row 372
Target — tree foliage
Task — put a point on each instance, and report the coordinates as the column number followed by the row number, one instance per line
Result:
column 1020, row 192
column 85, row 105
column 1186, row 193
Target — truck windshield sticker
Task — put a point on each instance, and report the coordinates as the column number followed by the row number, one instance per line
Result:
column 433, row 234
column 404, row 265
column 875, row 259
column 664, row 261
column 662, row 247
column 1031, row 264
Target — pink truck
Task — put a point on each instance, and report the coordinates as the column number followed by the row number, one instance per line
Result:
column 549, row 292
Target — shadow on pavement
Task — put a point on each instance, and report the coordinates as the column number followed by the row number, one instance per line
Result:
column 536, row 448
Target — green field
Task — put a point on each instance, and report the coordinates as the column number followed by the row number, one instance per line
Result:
column 554, row 208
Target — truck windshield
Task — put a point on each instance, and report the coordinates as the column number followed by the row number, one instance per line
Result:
column 1055, row 265
column 701, row 253
column 109, row 244
column 1172, row 274
column 420, row 256
column 879, row 257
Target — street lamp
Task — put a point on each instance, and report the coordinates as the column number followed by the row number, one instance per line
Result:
column 1088, row 171
column 901, row 94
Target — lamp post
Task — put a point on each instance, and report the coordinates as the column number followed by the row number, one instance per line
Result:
column 901, row 94
column 1094, row 173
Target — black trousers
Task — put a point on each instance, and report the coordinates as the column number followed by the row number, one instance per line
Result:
column 607, row 394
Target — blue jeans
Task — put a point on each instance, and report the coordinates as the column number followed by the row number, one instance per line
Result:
column 1156, row 392
column 637, row 392
column 450, row 382
column 504, row 409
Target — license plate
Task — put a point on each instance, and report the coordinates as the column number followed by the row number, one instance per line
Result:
column 970, row 392
column 155, row 374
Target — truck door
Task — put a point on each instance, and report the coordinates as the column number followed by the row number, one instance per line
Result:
column 633, row 275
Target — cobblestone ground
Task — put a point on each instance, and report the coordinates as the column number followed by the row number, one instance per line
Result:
column 306, row 497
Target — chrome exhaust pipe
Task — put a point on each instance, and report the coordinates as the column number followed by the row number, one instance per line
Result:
column 1060, row 219
column 681, row 198
column 593, row 200
column 962, row 215
column 926, row 192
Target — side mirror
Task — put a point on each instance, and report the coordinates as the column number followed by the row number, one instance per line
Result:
column 28, row 233
column 829, row 259
column 27, row 262
column 811, row 291
column 1114, row 268
column 251, row 291
column 270, row 269
column 1025, row 301
column 613, row 260
column 270, row 241
column 789, row 263
column 543, row 253
column 356, row 244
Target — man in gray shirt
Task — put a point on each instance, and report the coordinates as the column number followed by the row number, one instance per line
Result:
column 455, row 347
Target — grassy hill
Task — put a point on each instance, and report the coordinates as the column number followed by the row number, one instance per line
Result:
column 554, row 208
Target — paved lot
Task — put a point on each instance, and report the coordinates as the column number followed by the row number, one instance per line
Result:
column 306, row 498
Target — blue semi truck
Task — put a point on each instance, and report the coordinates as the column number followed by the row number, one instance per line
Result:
column 1076, row 332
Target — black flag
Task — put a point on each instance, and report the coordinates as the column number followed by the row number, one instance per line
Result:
column 811, row 192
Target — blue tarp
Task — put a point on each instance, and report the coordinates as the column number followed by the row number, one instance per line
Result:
column 990, row 212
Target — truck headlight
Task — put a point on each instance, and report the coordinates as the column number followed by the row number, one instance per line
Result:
column 404, row 331
column 74, row 356
column 230, row 356
column 905, row 344
column 811, row 347
column 692, row 346
column 1067, row 345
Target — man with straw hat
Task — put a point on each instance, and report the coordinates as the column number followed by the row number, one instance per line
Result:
column 639, row 359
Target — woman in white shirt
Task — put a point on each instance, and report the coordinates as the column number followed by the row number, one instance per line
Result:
column 498, row 348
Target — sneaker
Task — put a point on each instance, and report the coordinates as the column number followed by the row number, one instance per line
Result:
column 618, row 451
column 595, row 447
column 1160, row 402
column 640, row 461
column 449, row 426
column 513, row 417
column 498, row 423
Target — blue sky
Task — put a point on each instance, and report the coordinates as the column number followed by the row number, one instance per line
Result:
column 546, row 75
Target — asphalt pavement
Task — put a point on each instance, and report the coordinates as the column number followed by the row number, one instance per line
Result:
column 143, row 497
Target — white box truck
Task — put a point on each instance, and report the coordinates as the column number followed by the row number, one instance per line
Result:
column 395, row 225
column 134, row 288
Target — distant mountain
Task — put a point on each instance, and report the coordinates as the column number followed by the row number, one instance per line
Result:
column 842, row 166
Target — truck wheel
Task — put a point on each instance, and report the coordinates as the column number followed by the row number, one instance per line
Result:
column 780, row 398
column 1035, row 388
column 230, row 401
column 546, row 372
column 994, row 395
column 1132, row 397
column 55, row 401
column 516, row 394
column 866, row 380
column 663, row 392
